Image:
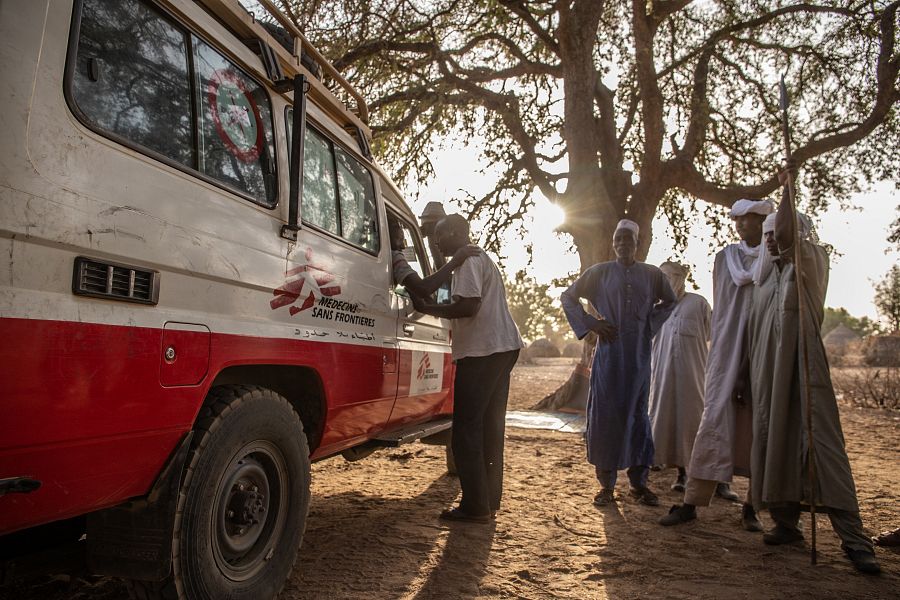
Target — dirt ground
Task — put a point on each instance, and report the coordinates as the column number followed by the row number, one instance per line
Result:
column 373, row 530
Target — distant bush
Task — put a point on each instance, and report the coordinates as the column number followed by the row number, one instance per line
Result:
column 870, row 388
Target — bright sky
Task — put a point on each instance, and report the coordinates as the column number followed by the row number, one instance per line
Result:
column 859, row 236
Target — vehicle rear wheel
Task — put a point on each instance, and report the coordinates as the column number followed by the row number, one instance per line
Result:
column 243, row 503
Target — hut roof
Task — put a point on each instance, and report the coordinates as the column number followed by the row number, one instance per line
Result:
column 840, row 335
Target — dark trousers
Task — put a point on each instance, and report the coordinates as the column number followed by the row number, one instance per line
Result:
column 637, row 475
column 481, row 389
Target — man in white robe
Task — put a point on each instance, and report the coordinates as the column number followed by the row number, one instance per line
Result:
column 722, row 446
column 676, row 383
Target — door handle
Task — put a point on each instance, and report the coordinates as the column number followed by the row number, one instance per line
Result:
column 440, row 337
column 408, row 329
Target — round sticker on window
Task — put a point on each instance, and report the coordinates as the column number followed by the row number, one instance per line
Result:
column 235, row 115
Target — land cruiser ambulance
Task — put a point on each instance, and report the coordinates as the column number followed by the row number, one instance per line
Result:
column 196, row 296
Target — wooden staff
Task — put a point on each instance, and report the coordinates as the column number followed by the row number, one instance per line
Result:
column 802, row 309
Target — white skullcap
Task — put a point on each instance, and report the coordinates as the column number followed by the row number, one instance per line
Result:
column 629, row 225
column 743, row 207
column 769, row 224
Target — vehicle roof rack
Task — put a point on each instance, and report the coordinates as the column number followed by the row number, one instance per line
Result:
column 246, row 26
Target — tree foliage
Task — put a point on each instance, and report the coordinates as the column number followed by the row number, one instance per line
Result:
column 861, row 325
column 617, row 108
column 887, row 299
column 533, row 310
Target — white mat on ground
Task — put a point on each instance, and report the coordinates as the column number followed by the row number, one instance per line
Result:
column 555, row 421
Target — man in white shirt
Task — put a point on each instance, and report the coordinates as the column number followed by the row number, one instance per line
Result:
column 485, row 346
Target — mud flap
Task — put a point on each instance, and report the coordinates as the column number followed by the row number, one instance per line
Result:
column 134, row 540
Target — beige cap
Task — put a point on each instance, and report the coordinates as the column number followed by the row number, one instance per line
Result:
column 433, row 210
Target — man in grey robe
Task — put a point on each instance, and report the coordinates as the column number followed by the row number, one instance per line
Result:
column 781, row 445
column 722, row 446
column 677, row 375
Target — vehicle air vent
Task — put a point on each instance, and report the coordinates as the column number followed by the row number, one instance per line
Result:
column 114, row 281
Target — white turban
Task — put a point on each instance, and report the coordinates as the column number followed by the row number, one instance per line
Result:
column 630, row 226
column 743, row 207
column 805, row 225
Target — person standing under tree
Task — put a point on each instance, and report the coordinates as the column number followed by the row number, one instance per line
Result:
column 788, row 361
column 676, row 380
column 485, row 346
column 633, row 299
column 722, row 446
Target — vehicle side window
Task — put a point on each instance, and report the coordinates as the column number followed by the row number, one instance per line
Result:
column 319, row 206
column 338, row 191
column 235, row 134
column 132, row 78
column 357, row 199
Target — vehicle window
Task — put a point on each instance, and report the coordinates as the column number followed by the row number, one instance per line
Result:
column 131, row 77
column 319, row 206
column 235, row 142
column 412, row 251
column 338, row 191
column 357, row 198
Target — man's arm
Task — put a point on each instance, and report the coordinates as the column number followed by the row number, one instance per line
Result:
column 665, row 304
column 418, row 286
column 580, row 321
column 460, row 308
column 785, row 218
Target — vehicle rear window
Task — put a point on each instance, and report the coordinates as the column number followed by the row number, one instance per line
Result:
column 145, row 81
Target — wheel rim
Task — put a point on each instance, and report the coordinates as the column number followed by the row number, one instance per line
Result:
column 251, row 505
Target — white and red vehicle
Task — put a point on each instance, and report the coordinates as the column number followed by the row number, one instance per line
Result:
column 195, row 290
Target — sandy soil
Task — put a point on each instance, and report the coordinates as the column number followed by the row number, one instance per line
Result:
column 373, row 530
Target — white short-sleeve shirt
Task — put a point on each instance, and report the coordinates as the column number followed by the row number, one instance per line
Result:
column 492, row 329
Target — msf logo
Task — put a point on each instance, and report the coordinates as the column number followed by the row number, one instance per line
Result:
column 304, row 284
column 424, row 367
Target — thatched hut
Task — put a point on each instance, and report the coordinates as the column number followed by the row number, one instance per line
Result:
column 543, row 348
column 882, row 350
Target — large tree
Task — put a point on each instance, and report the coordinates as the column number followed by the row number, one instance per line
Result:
column 623, row 108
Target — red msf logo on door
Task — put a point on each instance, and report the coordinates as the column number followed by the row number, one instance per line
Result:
column 308, row 280
column 424, row 367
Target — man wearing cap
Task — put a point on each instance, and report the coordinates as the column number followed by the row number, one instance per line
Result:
column 722, row 446
column 677, row 375
column 431, row 214
column 633, row 299
column 779, row 381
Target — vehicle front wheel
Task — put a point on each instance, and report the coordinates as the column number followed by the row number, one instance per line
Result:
column 244, row 500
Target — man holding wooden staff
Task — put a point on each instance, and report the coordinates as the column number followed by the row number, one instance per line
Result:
column 789, row 373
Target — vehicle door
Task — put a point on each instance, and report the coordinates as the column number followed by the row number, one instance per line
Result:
column 337, row 280
column 425, row 368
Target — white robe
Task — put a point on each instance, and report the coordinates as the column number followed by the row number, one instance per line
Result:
column 722, row 446
column 676, row 383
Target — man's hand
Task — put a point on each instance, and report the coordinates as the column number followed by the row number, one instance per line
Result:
column 738, row 395
column 463, row 253
column 417, row 302
column 606, row 332
column 788, row 172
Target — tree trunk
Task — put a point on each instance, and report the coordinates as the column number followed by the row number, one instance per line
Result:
column 573, row 394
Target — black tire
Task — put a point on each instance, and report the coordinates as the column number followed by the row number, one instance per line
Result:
column 451, row 461
column 243, row 502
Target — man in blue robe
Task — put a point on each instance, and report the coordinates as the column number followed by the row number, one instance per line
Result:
column 633, row 300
